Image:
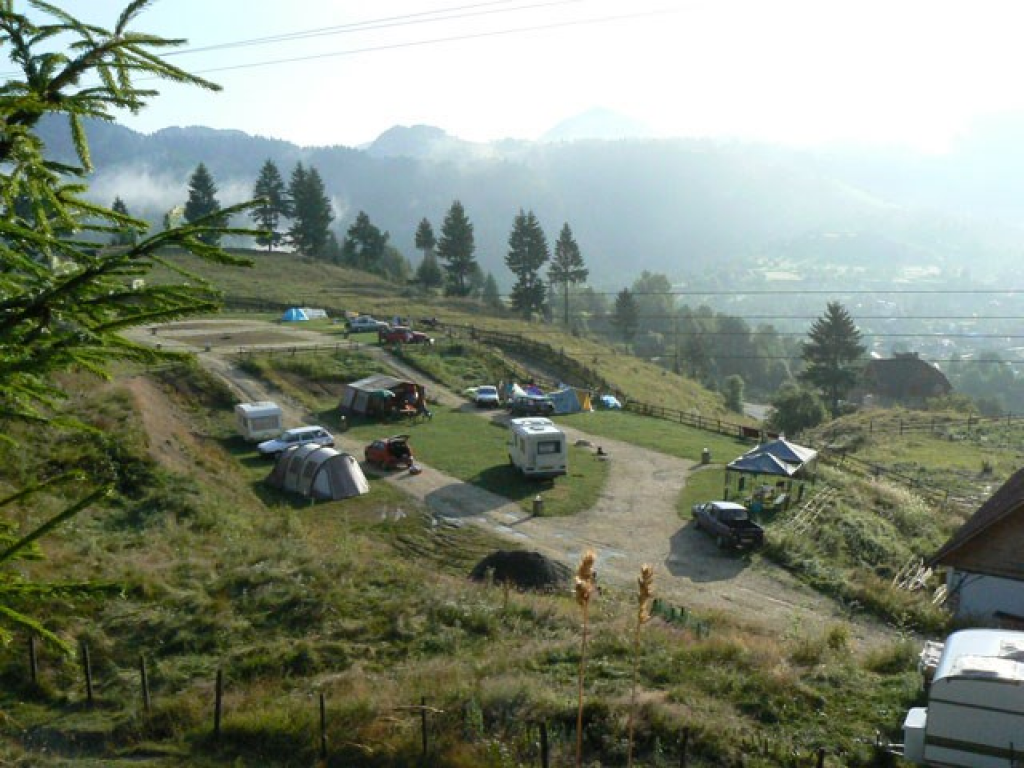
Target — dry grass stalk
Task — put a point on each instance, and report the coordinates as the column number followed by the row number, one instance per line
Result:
column 644, row 596
column 586, row 585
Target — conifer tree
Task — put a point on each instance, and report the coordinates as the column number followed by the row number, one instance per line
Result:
column 273, row 205
column 567, row 267
column 626, row 316
column 311, row 212
column 128, row 231
column 202, row 207
column 527, row 253
column 833, row 355
column 455, row 251
column 364, row 245
column 64, row 301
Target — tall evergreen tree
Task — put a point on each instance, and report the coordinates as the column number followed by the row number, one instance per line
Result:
column 311, row 212
column 455, row 251
column 527, row 253
column 127, row 233
column 272, row 195
column 429, row 274
column 425, row 240
column 626, row 316
column 489, row 294
column 832, row 355
column 567, row 267
column 72, row 318
column 364, row 245
column 202, row 207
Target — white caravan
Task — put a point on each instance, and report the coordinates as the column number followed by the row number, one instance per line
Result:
column 537, row 448
column 975, row 712
column 258, row 421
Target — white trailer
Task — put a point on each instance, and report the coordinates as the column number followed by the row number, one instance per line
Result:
column 259, row 420
column 537, row 448
column 975, row 712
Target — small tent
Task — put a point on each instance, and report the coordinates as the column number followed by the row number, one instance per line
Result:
column 759, row 464
column 379, row 394
column 294, row 315
column 318, row 473
column 566, row 400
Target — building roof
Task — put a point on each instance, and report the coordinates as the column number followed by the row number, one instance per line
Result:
column 1006, row 501
column 904, row 377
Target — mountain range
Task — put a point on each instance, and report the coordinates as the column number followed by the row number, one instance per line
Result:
column 681, row 207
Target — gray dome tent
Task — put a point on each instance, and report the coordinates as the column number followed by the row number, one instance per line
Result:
column 318, row 473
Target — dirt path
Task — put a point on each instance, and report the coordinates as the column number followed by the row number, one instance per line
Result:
column 633, row 522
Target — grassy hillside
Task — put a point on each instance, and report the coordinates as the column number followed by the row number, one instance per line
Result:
column 366, row 602
column 290, row 279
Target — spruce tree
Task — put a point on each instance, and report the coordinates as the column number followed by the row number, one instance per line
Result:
column 127, row 228
column 527, row 253
column 272, row 195
column 202, row 207
column 455, row 251
column 626, row 316
column 428, row 274
column 567, row 267
column 64, row 303
column 832, row 355
column 364, row 245
column 311, row 212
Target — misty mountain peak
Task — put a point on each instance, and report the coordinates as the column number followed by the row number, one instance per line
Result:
column 417, row 141
column 600, row 124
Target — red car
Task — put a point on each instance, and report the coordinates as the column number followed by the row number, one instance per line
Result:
column 390, row 453
column 399, row 334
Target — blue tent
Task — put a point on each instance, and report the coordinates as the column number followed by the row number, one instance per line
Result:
column 566, row 400
column 294, row 315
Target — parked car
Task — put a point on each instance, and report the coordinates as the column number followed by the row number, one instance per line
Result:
column 390, row 453
column 400, row 334
column 297, row 436
column 486, row 397
column 366, row 324
column 729, row 523
column 531, row 405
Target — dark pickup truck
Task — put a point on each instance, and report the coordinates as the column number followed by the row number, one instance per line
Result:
column 729, row 523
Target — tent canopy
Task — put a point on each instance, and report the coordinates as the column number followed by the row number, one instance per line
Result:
column 319, row 473
column 294, row 315
column 785, row 451
column 760, row 464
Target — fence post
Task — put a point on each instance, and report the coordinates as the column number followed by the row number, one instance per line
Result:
column 145, row 683
column 683, row 743
column 87, row 667
column 218, row 699
column 423, row 722
column 33, row 660
column 544, row 744
column 821, row 758
column 323, row 727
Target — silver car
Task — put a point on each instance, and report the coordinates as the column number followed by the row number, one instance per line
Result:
column 293, row 437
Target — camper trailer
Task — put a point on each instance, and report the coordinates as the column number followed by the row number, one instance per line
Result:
column 975, row 712
column 258, row 421
column 537, row 448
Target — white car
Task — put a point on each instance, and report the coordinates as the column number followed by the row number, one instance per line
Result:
column 486, row 397
column 293, row 437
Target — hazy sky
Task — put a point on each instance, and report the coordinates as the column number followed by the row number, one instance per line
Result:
column 906, row 71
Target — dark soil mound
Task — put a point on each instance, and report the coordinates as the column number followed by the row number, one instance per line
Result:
column 524, row 570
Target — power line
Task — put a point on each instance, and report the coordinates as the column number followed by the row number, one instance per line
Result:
column 423, row 17
column 437, row 41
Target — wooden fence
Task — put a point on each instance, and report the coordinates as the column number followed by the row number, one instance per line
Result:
column 453, row 720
